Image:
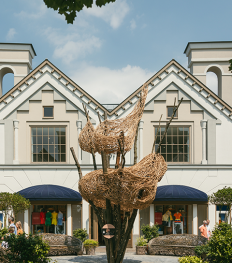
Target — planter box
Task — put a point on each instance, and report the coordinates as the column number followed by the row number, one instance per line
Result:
column 90, row 250
column 141, row 250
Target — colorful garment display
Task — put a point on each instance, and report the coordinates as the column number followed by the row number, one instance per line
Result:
column 166, row 216
column 48, row 218
column 42, row 218
column 177, row 216
column 54, row 218
column 60, row 219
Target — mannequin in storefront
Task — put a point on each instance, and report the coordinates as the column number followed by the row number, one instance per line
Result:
column 48, row 218
column 60, row 218
column 42, row 216
column 54, row 218
column 167, row 218
column 177, row 224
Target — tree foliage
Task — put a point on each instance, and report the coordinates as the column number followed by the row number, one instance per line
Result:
column 222, row 197
column 69, row 8
column 80, row 234
column 13, row 202
column 150, row 232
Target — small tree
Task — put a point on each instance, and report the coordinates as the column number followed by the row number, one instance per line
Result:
column 150, row 232
column 13, row 202
column 80, row 234
column 222, row 197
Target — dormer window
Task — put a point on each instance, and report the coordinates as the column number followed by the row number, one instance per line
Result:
column 48, row 112
column 170, row 112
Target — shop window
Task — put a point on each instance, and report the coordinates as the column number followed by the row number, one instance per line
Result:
column 176, row 144
column 170, row 110
column 48, row 112
column 76, row 215
column 48, row 144
column 57, row 222
column 202, row 215
column 144, row 218
column 172, row 219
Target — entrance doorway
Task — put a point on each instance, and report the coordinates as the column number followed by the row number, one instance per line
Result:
column 95, row 230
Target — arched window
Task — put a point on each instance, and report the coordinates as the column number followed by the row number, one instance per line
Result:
column 6, row 80
column 214, row 80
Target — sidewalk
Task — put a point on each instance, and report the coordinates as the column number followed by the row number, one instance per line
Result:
column 129, row 258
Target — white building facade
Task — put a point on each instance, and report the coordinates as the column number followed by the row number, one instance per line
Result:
column 42, row 116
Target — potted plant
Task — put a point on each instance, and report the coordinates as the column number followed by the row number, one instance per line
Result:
column 141, row 246
column 90, row 245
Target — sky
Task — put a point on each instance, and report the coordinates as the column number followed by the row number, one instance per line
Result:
column 113, row 50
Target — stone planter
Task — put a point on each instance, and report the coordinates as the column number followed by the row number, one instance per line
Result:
column 141, row 250
column 90, row 250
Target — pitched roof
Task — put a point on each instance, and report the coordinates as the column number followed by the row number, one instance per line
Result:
column 130, row 100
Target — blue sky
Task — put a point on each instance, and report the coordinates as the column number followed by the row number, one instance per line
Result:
column 111, row 51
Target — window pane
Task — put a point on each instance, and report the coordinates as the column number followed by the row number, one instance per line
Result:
column 181, row 149
column 34, row 149
column 34, row 157
column 40, row 157
column 63, row 140
column 51, row 139
column 45, row 131
column 186, row 157
column 186, row 131
column 33, row 131
column 34, row 139
column 174, row 139
column 174, row 131
column 162, row 130
column 170, row 112
column 180, row 139
column 180, row 157
column 57, row 131
column 48, row 111
column 165, row 156
column 39, row 139
column 169, row 157
column 45, row 157
column 186, row 148
column 175, row 157
column 45, row 139
column 39, row 131
column 163, row 149
column 180, row 131
column 63, row 149
column 57, row 157
column 56, row 149
column 169, row 132
column 62, row 131
column 51, row 158
column 51, row 131
column 169, row 149
column 63, row 159
column 45, row 148
column 175, row 148
column 51, row 148
column 169, row 139
column 158, row 140
column 39, row 148
column 186, row 139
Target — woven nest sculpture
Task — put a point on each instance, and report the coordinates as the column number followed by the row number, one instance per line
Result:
column 131, row 188
column 105, row 137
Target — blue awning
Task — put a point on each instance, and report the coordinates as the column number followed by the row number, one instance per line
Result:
column 179, row 193
column 50, row 192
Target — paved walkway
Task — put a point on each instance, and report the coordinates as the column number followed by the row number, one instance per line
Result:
column 129, row 258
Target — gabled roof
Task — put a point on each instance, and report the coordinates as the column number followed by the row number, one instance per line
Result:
column 172, row 66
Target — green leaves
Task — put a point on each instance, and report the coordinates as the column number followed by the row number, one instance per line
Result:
column 220, row 244
column 69, row 8
column 90, row 243
column 141, row 241
column 80, row 234
column 150, row 231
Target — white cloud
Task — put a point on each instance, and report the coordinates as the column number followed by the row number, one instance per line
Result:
column 71, row 46
column 108, row 85
column 38, row 5
column 10, row 34
column 132, row 24
column 112, row 13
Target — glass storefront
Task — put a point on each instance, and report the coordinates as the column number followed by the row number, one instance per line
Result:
column 49, row 219
column 172, row 219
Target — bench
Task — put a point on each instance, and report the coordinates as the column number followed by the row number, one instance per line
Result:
column 62, row 244
column 175, row 245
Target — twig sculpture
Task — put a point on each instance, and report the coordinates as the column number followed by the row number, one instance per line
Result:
column 111, row 191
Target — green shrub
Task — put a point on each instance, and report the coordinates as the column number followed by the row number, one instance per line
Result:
column 150, row 231
column 141, row 241
column 220, row 244
column 90, row 243
column 80, row 234
column 3, row 231
column 27, row 248
column 191, row 259
column 202, row 250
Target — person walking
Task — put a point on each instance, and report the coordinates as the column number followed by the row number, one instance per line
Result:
column 203, row 229
column 19, row 228
column 11, row 222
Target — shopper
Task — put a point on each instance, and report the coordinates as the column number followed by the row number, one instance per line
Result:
column 11, row 222
column 19, row 228
column 4, row 243
column 203, row 229
column 208, row 229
